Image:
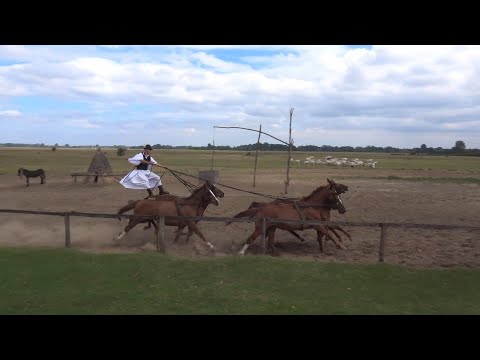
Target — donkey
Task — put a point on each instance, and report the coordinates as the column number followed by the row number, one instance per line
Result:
column 35, row 173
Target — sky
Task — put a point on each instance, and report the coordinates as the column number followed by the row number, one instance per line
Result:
column 363, row 95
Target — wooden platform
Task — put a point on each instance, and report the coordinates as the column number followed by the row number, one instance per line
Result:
column 75, row 175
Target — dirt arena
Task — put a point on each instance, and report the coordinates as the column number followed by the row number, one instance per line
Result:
column 368, row 200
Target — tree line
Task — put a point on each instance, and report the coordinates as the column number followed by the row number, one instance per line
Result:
column 458, row 148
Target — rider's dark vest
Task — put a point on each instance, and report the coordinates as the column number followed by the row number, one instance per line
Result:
column 143, row 166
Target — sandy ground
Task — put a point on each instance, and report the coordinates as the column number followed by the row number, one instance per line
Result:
column 369, row 200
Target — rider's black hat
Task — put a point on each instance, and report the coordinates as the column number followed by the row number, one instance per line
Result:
column 148, row 147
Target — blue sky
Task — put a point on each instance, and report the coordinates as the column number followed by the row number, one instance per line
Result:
column 401, row 96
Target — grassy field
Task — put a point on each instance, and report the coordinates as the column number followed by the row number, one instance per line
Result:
column 60, row 281
column 64, row 161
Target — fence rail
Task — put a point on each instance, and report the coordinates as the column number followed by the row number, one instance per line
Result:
column 161, row 247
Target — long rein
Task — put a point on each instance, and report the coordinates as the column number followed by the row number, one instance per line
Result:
column 191, row 186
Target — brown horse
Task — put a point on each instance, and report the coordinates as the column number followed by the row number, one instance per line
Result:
column 201, row 209
column 340, row 188
column 201, row 197
column 310, row 208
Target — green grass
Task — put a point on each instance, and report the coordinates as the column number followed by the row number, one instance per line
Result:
column 64, row 161
column 61, row 281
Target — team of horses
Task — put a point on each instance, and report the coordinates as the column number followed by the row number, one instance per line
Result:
column 315, row 206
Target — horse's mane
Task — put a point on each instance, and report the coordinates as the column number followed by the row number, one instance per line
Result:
column 195, row 191
column 308, row 197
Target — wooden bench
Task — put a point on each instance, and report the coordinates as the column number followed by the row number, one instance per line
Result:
column 75, row 175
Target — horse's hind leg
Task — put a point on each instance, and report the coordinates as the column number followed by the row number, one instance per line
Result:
column 179, row 232
column 148, row 226
column 131, row 224
column 28, row 181
column 42, row 180
column 296, row 235
column 271, row 241
column 256, row 233
column 319, row 239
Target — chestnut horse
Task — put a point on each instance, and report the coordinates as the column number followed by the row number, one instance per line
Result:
column 201, row 210
column 340, row 188
column 310, row 208
column 201, row 197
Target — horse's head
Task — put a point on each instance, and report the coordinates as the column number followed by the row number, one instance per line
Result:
column 334, row 196
column 340, row 188
column 20, row 172
column 211, row 193
column 216, row 191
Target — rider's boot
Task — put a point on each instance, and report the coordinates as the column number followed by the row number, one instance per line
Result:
column 150, row 193
column 161, row 191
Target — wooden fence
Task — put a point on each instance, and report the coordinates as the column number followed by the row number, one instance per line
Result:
column 161, row 247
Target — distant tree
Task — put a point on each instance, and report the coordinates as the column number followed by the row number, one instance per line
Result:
column 423, row 147
column 121, row 151
column 459, row 146
column 56, row 144
column 66, row 145
column 54, row 148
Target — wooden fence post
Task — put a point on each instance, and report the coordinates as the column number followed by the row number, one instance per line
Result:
column 161, row 234
column 264, row 231
column 383, row 235
column 67, row 229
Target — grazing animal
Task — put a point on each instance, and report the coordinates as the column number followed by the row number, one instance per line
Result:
column 35, row 173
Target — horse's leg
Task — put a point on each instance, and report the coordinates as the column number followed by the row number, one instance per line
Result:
column 256, row 233
column 296, row 235
column 179, row 232
column 190, row 232
column 131, row 224
column 319, row 239
column 344, row 231
column 335, row 233
column 148, row 226
column 42, row 178
column 271, row 241
column 193, row 227
column 28, row 182
column 324, row 230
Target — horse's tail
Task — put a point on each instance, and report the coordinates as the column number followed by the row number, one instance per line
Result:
column 247, row 213
column 129, row 206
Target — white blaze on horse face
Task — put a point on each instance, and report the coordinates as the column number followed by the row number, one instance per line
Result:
column 218, row 202
column 340, row 200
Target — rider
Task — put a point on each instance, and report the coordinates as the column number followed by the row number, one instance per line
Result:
column 142, row 177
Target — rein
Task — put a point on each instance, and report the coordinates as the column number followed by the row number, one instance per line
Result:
column 189, row 185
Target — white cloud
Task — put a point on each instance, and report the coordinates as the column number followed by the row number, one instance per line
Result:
column 10, row 113
column 82, row 123
column 395, row 89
